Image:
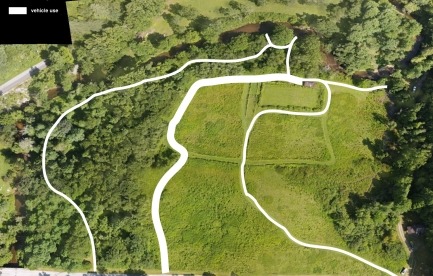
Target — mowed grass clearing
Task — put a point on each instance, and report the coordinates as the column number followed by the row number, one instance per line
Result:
column 212, row 124
column 282, row 137
column 211, row 226
column 290, row 95
column 4, row 167
column 215, row 122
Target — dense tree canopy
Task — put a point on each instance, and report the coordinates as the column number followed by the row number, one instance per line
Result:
column 367, row 34
column 98, row 153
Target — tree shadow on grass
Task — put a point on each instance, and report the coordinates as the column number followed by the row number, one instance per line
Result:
column 135, row 272
column 380, row 118
column 155, row 39
column 200, row 23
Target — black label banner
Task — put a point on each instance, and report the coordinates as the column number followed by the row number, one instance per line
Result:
column 34, row 22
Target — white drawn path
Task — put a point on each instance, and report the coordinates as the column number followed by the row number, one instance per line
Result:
column 184, row 153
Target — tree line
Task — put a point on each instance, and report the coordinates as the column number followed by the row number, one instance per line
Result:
column 98, row 153
column 406, row 190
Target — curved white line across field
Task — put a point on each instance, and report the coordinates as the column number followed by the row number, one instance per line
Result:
column 63, row 115
column 184, row 153
column 276, row 223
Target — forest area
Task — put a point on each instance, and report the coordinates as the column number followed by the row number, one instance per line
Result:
column 98, row 154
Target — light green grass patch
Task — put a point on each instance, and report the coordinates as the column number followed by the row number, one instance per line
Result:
column 160, row 25
column 6, row 191
column 4, row 167
column 250, row 97
column 294, row 194
column 292, row 206
column 81, row 28
column 216, row 119
column 72, row 8
column 277, row 136
column 212, row 124
column 211, row 226
column 351, row 122
column 354, row 121
column 280, row 94
column 210, row 9
column 19, row 58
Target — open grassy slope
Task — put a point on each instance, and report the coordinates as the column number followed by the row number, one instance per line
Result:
column 222, row 231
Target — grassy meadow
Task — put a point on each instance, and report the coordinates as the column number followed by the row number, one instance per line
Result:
column 211, row 226
column 292, row 163
column 215, row 122
column 212, row 124
column 351, row 122
column 210, row 8
column 284, row 94
column 285, row 137
column 4, row 167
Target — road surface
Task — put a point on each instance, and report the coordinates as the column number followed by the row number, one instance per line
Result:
column 9, row 85
column 403, row 240
column 402, row 237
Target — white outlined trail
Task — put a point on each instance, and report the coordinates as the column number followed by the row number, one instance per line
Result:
column 51, row 130
column 184, row 153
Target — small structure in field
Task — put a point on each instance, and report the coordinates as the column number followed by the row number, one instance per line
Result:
column 410, row 230
column 308, row 83
column 416, row 229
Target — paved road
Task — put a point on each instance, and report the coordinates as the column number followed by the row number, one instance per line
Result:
column 6, row 87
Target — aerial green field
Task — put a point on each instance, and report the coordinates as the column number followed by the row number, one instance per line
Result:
column 315, row 155
column 285, row 137
column 211, row 226
column 4, row 166
column 284, row 95
column 212, row 124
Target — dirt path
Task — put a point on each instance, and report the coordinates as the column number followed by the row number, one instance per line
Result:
column 402, row 237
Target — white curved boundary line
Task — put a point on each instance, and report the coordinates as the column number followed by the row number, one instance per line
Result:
column 184, row 153
column 276, row 223
column 63, row 115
